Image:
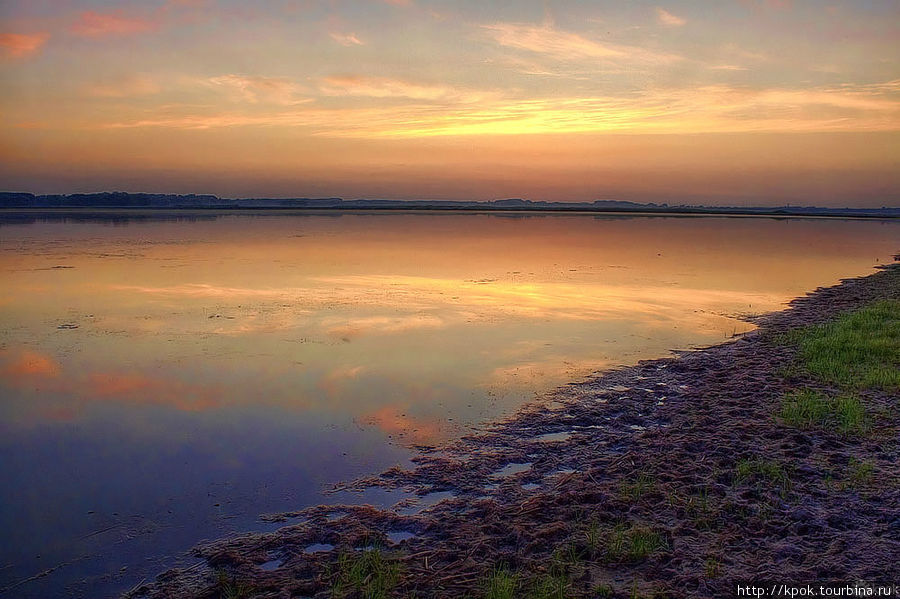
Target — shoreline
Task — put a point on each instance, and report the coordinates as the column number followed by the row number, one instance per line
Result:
column 649, row 449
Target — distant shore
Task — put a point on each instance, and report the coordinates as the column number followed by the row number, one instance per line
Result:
column 20, row 201
column 676, row 477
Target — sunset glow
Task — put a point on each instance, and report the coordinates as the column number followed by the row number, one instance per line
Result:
column 738, row 102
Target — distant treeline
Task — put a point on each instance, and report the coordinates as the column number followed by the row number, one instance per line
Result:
column 120, row 199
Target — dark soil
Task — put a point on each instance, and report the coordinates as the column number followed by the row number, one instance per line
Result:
column 656, row 446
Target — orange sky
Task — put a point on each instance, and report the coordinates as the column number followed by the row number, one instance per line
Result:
column 734, row 102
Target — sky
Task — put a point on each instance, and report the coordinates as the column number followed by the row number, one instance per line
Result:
column 732, row 102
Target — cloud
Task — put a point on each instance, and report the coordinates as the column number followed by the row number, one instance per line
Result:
column 727, row 67
column 20, row 45
column 28, row 364
column 446, row 111
column 346, row 39
column 380, row 325
column 253, row 89
column 545, row 39
column 138, row 388
column 383, row 87
column 668, row 19
column 548, row 41
column 94, row 24
column 394, row 421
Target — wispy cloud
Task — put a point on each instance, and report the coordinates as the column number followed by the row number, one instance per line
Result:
column 95, row 24
column 548, row 41
column 727, row 67
column 346, row 39
column 668, row 19
column 20, row 45
column 384, row 87
column 545, row 39
column 253, row 89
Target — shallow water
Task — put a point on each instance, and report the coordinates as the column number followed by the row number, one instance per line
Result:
column 167, row 379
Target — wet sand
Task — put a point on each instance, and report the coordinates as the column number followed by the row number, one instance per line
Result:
column 650, row 448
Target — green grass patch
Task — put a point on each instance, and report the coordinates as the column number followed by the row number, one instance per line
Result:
column 808, row 409
column 633, row 542
column 370, row 574
column 859, row 350
column 762, row 470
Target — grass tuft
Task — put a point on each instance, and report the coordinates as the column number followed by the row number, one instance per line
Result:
column 229, row 588
column 637, row 487
column 501, row 584
column 860, row 474
column 369, row 573
column 633, row 542
column 808, row 409
column 762, row 470
column 711, row 568
column 550, row 586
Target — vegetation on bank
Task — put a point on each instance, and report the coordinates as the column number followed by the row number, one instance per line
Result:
column 807, row 409
column 851, row 354
column 859, row 350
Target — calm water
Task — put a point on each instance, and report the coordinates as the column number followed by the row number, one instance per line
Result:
column 167, row 380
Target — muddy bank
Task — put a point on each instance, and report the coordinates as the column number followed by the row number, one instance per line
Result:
column 685, row 455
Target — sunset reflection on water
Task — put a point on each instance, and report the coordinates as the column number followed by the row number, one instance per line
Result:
column 264, row 356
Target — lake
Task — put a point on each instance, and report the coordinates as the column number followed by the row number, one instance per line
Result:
column 167, row 378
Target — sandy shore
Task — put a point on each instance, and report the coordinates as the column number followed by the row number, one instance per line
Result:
column 561, row 493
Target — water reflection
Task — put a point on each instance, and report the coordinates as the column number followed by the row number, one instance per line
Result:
column 166, row 380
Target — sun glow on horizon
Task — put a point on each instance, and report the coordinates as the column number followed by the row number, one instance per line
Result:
column 331, row 96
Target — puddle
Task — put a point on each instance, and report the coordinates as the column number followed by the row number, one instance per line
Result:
column 425, row 501
column 511, row 469
column 318, row 548
column 530, row 486
column 399, row 535
column 270, row 565
column 553, row 437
